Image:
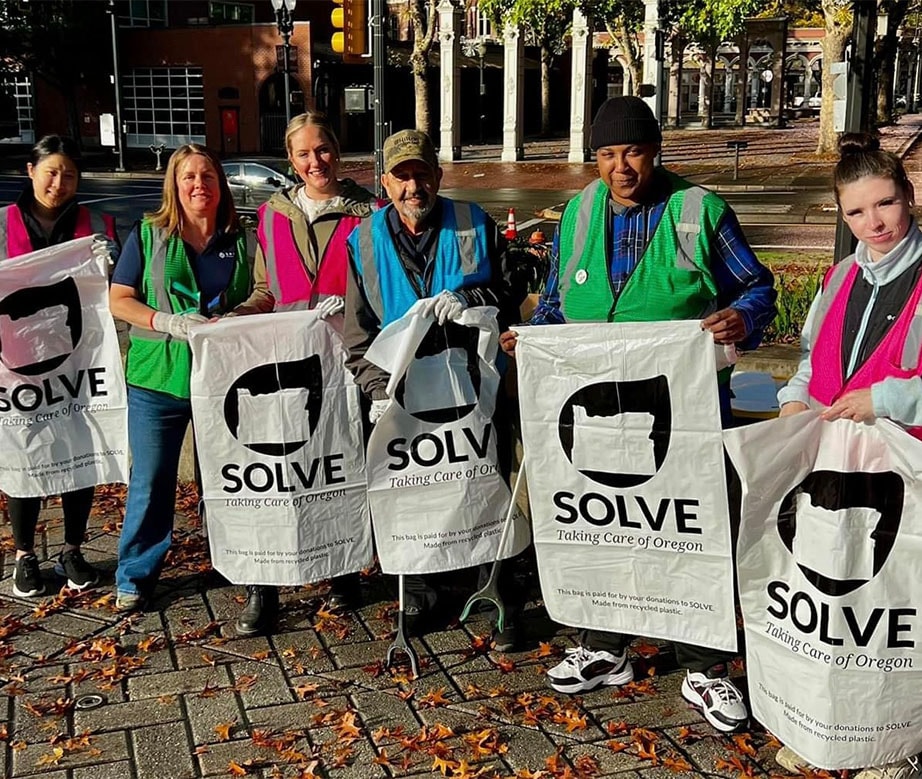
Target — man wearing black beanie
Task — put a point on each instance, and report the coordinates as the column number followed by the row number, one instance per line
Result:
column 642, row 244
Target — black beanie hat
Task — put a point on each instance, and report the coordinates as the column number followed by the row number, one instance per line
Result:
column 623, row 120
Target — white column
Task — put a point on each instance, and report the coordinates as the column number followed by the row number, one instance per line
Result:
column 651, row 70
column 513, row 94
column 450, row 53
column 580, row 95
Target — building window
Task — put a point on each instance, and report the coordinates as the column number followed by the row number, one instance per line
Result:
column 230, row 13
column 144, row 13
column 484, row 26
column 164, row 105
column 16, row 108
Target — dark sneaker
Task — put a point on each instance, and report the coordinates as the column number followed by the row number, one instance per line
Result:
column 79, row 573
column 27, row 578
column 719, row 701
column 507, row 639
column 259, row 612
column 345, row 594
column 582, row 670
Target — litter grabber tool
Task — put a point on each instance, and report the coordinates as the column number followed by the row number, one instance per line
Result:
column 490, row 591
column 400, row 643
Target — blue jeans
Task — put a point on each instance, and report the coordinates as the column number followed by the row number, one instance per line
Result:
column 157, row 423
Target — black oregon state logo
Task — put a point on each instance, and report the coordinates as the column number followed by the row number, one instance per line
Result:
column 301, row 381
column 834, row 491
column 608, row 399
column 31, row 301
column 439, row 341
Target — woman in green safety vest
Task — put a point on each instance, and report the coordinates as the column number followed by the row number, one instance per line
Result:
column 182, row 265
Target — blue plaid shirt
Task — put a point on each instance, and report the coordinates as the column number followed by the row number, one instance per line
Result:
column 743, row 283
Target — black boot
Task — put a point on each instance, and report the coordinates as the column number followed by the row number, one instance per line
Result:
column 259, row 612
column 345, row 593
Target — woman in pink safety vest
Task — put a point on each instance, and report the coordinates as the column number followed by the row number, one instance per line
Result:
column 862, row 340
column 301, row 262
column 46, row 214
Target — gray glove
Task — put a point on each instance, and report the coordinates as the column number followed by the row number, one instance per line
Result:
column 176, row 325
column 105, row 248
column 444, row 306
column 330, row 306
column 378, row 407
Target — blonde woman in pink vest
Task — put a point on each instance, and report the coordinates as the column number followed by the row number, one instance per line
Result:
column 301, row 264
column 46, row 214
column 861, row 353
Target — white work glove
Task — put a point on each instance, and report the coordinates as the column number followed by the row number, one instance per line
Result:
column 105, row 248
column 176, row 325
column 444, row 306
column 330, row 306
column 378, row 407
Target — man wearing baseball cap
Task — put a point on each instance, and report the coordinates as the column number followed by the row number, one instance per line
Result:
column 642, row 244
column 421, row 247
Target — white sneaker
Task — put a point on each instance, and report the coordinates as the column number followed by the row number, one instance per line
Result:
column 720, row 702
column 904, row 769
column 582, row 669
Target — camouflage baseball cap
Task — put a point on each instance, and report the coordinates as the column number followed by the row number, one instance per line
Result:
column 409, row 145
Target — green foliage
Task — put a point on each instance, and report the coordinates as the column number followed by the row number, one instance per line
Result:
column 548, row 20
column 710, row 22
column 800, row 13
column 796, row 291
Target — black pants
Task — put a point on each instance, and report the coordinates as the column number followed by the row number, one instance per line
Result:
column 694, row 658
column 24, row 517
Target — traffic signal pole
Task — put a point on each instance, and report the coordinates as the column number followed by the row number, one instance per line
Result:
column 379, row 62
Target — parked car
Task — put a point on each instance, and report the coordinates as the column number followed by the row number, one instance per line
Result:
column 252, row 182
column 815, row 102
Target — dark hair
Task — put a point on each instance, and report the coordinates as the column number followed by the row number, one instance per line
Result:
column 53, row 144
column 860, row 156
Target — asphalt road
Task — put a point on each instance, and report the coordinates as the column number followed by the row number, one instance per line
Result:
column 770, row 219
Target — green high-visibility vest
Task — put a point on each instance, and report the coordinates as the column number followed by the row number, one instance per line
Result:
column 673, row 279
column 157, row 361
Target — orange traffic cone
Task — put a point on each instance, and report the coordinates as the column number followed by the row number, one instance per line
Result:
column 512, row 232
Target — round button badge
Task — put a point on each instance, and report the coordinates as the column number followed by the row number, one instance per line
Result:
column 581, row 276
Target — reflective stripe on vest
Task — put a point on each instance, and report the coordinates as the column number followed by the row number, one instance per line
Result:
column 14, row 236
column 672, row 278
column 459, row 243
column 286, row 272
column 827, row 380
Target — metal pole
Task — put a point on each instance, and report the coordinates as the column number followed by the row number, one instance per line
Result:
column 379, row 62
column 286, row 47
column 860, row 80
column 119, row 133
column 481, row 51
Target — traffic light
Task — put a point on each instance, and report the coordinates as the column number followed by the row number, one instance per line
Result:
column 350, row 18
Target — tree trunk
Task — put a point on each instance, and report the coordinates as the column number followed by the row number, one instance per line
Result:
column 419, row 66
column 546, row 59
column 887, row 50
column 628, row 43
column 838, row 31
column 708, row 74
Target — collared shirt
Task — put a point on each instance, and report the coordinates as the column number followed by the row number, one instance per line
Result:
column 743, row 283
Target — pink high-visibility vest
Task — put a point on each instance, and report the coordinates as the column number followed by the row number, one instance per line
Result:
column 14, row 237
column 286, row 273
column 827, row 380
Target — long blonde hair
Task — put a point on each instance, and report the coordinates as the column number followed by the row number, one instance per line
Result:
column 169, row 216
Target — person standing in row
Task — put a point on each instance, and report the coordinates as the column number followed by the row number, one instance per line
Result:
column 639, row 245
column 46, row 214
column 410, row 251
column 861, row 356
column 301, row 262
column 184, row 263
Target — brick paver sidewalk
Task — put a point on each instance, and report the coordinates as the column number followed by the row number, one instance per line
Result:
column 180, row 696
